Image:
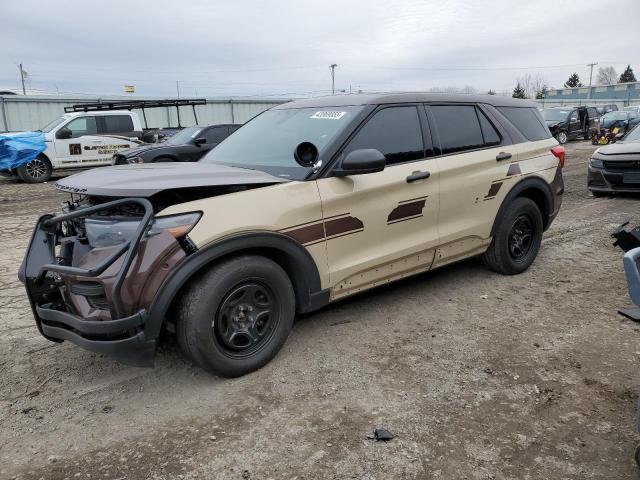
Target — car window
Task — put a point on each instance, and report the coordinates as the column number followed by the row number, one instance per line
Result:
column 458, row 128
column 117, row 124
column 527, row 121
column 82, row 126
column 489, row 132
column 215, row 134
column 395, row 132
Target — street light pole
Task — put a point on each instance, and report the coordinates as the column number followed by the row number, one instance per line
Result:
column 22, row 72
column 590, row 76
column 333, row 77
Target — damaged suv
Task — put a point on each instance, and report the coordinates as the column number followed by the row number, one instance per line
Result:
column 306, row 204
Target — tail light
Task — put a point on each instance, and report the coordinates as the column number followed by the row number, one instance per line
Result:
column 558, row 152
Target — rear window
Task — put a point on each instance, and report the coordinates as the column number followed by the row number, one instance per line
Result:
column 527, row 120
column 118, row 124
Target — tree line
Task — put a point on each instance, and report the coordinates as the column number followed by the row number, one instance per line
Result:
column 529, row 86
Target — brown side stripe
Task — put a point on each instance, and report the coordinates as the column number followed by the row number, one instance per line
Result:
column 342, row 225
column 407, row 211
column 493, row 190
column 307, row 233
column 514, row 169
column 313, row 232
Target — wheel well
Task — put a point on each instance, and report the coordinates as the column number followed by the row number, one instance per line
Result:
column 540, row 200
column 169, row 157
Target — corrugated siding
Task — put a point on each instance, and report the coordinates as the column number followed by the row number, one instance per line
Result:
column 34, row 112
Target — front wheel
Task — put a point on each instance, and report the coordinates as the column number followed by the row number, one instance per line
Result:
column 562, row 137
column 516, row 239
column 37, row 170
column 234, row 318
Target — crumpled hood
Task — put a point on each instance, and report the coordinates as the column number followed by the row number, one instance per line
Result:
column 145, row 180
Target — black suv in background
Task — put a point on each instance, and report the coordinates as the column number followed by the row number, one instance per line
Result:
column 570, row 123
column 188, row 145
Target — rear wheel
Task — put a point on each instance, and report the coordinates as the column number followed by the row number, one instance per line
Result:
column 234, row 318
column 516, row 239
column 562, row 137
column 37, row 170
column 163, row 160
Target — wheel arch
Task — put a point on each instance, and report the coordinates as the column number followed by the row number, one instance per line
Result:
column 170, row 156
column 534, row 188
column 295, row 260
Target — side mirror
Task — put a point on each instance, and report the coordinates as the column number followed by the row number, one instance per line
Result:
column 359, row 162
column 199, row 141
column 64, row 133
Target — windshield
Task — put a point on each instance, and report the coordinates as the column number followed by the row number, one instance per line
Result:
column 183, row 136
column 267, row 142
column 633, row 135
column 51, row 125
column 553, row 115
column 610, row 118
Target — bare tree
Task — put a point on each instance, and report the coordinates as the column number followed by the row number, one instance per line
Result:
column 468, row 89
column 532, row 84
column 607, row 76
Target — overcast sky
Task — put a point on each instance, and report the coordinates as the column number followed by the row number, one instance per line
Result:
column 282, row 48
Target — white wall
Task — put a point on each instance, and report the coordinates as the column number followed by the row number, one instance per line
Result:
column 32, row 112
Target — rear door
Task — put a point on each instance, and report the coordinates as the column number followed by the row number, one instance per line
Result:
column 474, row 159
column 383, row 226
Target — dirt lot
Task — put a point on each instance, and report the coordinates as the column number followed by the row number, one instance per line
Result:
column 480, row 376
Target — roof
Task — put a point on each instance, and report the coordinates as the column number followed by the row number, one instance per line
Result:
column 377, row 99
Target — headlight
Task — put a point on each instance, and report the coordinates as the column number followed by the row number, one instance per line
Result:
column 110, row 232
column 595, row 163
column 135, row 160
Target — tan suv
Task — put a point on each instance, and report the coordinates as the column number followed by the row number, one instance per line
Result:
column 308, row 203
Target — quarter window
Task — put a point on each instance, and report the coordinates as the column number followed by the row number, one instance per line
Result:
column 395, row 132
column 528, row 121
column 458, row 128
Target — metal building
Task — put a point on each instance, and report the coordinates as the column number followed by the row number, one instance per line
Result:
column 622, row 94
column 31, row 112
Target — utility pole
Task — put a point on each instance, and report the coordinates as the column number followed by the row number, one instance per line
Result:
column 22, row 75
column 590, row 76
column 178, row 88
column 333, row 78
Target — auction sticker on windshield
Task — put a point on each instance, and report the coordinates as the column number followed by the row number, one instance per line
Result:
column 328, row 115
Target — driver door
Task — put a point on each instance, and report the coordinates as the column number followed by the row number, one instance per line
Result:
column 383, row 226
column 83, row 148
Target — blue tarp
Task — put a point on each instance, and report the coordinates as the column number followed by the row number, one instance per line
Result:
column 18, row 149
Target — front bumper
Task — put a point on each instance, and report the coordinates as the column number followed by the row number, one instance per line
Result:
column 603, row 180
column 63, row 297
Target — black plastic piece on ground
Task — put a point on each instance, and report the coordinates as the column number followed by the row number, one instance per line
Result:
column 381, row 434
column 632, row 313
column 626, row 240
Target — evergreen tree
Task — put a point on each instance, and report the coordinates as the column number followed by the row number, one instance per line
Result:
column 491, row 92
column 574, row 81
column 519, row 92
column 540, row 94
column 628, row 75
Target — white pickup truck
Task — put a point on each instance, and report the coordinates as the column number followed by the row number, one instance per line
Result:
column 82, row 139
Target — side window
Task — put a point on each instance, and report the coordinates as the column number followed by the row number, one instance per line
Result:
column 458, row 128
column 215, row 134
column 82, row 126
column 394, row 131
column 489, row 132
column 117, row 124
column 574, row 116
column 528, row 121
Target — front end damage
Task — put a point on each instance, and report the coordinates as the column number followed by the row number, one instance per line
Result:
column 629, row 241
column 91, row 274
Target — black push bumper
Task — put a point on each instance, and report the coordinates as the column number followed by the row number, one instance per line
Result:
column 123, row 337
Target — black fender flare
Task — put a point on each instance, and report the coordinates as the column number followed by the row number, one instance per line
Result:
column 526, row 186
column 291, row 255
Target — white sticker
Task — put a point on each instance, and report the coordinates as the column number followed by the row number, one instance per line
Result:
column 328, row 115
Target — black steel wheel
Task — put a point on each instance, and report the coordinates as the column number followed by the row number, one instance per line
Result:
column 235, row 317
column 517, row 236
column 37, row 170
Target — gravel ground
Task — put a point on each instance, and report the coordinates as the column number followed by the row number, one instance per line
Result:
column 480, row 376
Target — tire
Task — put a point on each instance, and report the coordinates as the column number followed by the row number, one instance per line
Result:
column 600, row 194
column 163, row 160
column 36, row 171
column 562, row 137
column 512, row 250
column 216, row 327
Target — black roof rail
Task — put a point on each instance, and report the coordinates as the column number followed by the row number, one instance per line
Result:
column 105, row 106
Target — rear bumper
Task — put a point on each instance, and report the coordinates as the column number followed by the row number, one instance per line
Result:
column 602, row 180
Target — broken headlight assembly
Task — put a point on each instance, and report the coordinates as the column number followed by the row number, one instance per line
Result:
column 108, row 232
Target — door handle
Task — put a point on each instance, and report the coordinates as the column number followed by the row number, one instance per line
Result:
column 415, row 176
column 503, row 156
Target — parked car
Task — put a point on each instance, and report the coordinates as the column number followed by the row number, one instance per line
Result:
column 602, row 109
column 616, row 167
column 310, row 202
column 613, row 125
column 570, row 123
column 188, row 145
column 632, row 108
